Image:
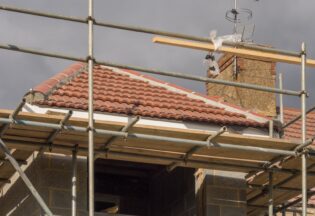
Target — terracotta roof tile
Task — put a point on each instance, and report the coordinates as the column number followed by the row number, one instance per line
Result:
column 294, row 131
column 122, row 93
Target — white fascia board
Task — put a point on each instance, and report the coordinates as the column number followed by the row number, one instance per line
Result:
column 146, row 121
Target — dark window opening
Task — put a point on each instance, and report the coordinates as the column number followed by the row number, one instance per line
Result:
column 138, row 189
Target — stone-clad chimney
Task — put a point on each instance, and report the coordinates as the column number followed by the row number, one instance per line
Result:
column 247, row 71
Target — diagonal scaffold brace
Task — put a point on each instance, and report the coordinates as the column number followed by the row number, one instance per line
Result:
column 25, row 179
column 15, row 163
column 211, row 138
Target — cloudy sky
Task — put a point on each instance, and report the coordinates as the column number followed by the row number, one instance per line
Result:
column 283, row 24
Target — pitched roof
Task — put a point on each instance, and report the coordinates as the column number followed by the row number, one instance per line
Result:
column 294, row 131
column 132, row 93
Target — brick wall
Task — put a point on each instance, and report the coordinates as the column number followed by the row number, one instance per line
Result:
column 220, row 193
column 250, row 71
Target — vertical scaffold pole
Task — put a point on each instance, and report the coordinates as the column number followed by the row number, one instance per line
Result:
column 74, row 182
column 271, row 128
column 281, row 99
column 270, row 191
column 91, row 109
column 284, row 212
column 303, row 113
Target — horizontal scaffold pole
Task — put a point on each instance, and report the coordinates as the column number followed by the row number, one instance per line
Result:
column 147, row 30
column 262, row 187
column 155, row 71
column 152, row 137
column 114, row 154
column 309, row 194
column 238, row 51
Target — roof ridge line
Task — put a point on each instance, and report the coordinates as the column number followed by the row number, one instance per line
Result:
column 194, row 95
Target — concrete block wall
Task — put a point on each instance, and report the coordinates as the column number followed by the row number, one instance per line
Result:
column 220, row 193
column 170, row 194
column 51, row 175
column 55, row 182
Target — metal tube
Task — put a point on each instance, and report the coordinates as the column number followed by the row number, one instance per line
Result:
column 62, row 123
column 74, row 182
column 157, row 72
column 41, row 53
column 262, row 187
column 281, row 99
column 202, row 79
column 12, row 117
column 283, row 212
column 124, row 129
column 271, row 128
column 303, row 113
column 304, row 145
column 310, row 193
column 25, row 179
column 18, row 109
column 195, row 163
column 152, row 158
column 286, row 180
column 149, row 31
column 254, row 149
column 112, row 139
column 304, row 142
column 270, row 192
column 42, row 14
column 91, row 108
column 158, row 138
column 173, row 165
column 298, row 118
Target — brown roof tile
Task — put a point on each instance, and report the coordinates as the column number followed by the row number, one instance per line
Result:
column 294, row 131
column 122, row 93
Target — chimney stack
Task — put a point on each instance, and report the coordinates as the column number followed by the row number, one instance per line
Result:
column 245, row 70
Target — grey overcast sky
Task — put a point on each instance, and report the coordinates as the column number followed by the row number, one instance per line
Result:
column 283, row 24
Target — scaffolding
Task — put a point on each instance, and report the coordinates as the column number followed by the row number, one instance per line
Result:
column 286, row 150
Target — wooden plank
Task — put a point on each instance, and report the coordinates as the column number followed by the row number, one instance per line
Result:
column 7, row 170
column 70, row 138
column 39, row 135
column 81, row 139
column 242, row 52
column 280, row 196
column 199, row 155
column 162, row 131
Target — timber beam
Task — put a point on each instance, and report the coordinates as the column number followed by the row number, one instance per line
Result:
column 238, row 51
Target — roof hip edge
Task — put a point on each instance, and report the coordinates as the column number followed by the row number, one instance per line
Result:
column 44, row 89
